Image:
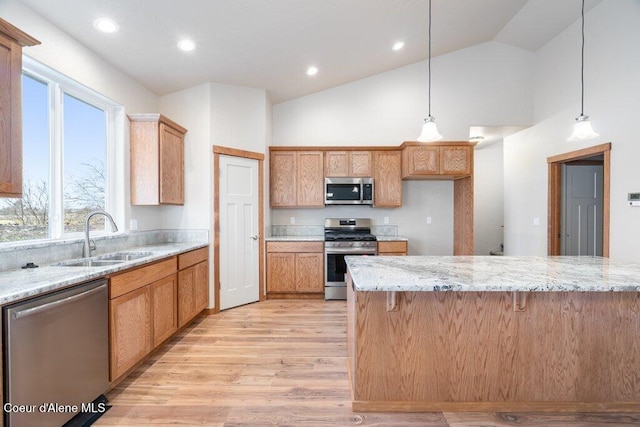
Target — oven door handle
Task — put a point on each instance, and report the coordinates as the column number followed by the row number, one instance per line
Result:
column 350, row 251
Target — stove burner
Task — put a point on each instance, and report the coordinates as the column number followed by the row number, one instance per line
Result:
column 348, row 229
column 360, row 237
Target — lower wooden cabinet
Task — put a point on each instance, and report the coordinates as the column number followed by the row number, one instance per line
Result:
column 295, row 269
column 148, row 304
column 392, row 247
column 193, row 284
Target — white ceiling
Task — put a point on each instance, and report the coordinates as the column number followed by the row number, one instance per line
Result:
column 269, row 44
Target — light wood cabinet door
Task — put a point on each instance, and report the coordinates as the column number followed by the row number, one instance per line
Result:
column 202, row 286
column 282, row 182
column 11, row 42
column 281, row 272
column 164, row 297
column 309, row 272
column 310, row 179
column 171, row 166
column 387, row 179
column 420, row 160
column 129, row 330
column 394, row 247
column 336, row 164
column 455, row 161
column 360, row 164
column 157, row 160
column 186, row 295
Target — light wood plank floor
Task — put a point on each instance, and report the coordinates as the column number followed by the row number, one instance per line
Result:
column 278, row 362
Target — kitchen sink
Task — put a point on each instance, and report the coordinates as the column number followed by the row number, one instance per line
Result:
column 125, row 256
column 105, row 260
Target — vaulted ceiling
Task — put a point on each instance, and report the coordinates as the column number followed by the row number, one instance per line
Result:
column 269, row 44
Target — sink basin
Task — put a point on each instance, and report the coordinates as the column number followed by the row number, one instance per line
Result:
column 89, row 262
column 125, row 256
column 105, row 260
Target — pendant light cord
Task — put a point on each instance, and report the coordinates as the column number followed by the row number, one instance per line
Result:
column 581, row 66
column 430, row 58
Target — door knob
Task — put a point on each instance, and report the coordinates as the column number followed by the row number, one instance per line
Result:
column 255, row 237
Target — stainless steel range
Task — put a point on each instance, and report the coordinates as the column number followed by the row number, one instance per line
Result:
column 342, row 237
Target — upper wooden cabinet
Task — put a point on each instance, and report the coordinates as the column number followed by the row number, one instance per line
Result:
column 157, row 160
column 436, row 161
column 296, row 179
column 11, row 42
column 387, row 179
column 348, row 164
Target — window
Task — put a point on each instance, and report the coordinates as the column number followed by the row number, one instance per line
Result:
column 68, row 151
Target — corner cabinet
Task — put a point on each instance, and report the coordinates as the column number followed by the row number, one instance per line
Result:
column 12, row 40
column 295, row 269
column 157, row 160
column 387, row 179
column 436, row 161
column 296, row 179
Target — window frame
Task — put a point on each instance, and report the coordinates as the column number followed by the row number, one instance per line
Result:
column 58, row 85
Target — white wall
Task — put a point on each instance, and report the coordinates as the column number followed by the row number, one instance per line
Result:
column 489, row 84
column 612, row 96
column 488, row 198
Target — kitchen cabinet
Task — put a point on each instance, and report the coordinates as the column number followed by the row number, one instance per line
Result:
column 436, row 161
column 296, row 179
column 387, row 178
column 193, row 284
column 347, row 164
column 392, row 247
column 141, row 313
column 12, row 40
column 295, row 269
column 157, row 160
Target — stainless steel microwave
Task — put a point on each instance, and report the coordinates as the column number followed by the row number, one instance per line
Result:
column 348, row 191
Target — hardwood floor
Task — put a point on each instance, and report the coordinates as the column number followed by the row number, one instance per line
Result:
column 278, row 362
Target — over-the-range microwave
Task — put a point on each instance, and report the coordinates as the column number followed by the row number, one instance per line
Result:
column 348, row 191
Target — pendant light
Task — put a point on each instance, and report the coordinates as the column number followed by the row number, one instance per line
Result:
column 582, row 128
column 429, row 131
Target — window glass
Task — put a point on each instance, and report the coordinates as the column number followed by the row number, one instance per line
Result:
column 27, row 218
column 85, row 151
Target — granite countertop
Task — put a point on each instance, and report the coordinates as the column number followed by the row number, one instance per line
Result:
column 19, row 284
column 491, row 273
column 391, row 239
column 295, row 239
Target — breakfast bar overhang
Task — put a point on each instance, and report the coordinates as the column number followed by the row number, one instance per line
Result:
column 471, row 333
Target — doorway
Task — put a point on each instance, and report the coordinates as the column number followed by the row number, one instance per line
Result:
column 579, row 202
column 238, row 227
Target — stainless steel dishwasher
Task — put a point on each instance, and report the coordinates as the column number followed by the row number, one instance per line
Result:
column 56, row 353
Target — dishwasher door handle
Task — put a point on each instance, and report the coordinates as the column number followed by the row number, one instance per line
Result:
column 57, row 303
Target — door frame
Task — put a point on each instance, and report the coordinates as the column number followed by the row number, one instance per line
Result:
column 555, row 195
column 227, row 151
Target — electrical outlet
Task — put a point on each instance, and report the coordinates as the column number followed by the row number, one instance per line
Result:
column 536, row 222
column 292, row 220
column 386, row 220
column 429, row 220
column 133, row 224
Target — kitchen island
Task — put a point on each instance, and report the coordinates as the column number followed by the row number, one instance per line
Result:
column 493, row 334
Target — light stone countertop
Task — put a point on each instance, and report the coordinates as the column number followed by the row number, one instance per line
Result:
column 392, row 239
column 295, row 239
column 491, row 273
column 24, row 283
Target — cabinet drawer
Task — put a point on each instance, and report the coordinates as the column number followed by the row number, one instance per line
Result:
column 192, row 258
column 121, row 284
column 295, row 246
column 395, row 246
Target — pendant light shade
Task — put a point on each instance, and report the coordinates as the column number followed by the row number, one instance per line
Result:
column 582, row 129
column 429, row 130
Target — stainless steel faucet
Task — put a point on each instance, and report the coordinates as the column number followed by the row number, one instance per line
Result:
column 86, row 249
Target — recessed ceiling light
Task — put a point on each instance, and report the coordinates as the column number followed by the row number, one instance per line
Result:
column 186, row 45
column 105, row 25
column 312, row 71
column 398, row 45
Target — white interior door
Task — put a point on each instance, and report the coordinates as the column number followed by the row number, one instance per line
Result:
column 238, row 210
column 583, row 209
